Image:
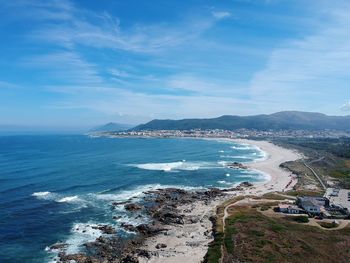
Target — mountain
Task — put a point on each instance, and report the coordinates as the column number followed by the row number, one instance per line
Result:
column 285, row 120
column 112, row 126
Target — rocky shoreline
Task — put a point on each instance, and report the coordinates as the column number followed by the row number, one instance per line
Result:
column 167, row 210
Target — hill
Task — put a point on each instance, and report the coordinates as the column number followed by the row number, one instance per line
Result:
column 286, row 120
column 112, row 126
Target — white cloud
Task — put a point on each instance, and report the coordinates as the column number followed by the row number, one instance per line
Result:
column 75, row 26
column 314, row 67
column 119, row 73
column 346, row 106
column 115, row 101
column 67, row 66
column 220, row 14
column 7, row 85
column 203, row 86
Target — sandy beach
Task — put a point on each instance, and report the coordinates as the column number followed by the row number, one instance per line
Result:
column 189, row 242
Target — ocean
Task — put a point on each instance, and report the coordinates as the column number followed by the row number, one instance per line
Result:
column 54, row 188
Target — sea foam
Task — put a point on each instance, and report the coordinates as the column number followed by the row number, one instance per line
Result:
column 176, row 166
column 68, row 199
column 37, row 194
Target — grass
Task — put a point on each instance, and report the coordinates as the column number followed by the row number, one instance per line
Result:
column 251, row 236
column 299, row 219
column 333, row 163
column 305, row 193
column 214, row 251
column 275, row 196
column 328, row 225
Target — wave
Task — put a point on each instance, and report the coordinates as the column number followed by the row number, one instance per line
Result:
column 81, row 233
column 225, row 182
column 138, row 192
column 243, row 147
column 176, row 166
column 223, row 163
column 236, row 156
column 68, row 199
column 45, row 195
column 37, row 194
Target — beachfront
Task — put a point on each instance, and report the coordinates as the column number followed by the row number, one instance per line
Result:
column 189, row 242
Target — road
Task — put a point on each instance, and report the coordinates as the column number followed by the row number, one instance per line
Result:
column 316, row 175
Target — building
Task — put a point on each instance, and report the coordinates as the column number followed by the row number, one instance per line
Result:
column 289, row 209
column 313, row 204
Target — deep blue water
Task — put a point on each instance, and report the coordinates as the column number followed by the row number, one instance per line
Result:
column 53, row 187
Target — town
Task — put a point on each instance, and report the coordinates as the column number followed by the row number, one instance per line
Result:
column 219, row 133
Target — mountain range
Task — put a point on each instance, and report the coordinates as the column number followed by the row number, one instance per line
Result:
column 112, row 126
column 285, row 120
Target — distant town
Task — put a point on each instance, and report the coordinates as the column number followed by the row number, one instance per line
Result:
column 218, row 133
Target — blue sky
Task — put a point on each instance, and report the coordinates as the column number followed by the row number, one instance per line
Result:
column 82, row 63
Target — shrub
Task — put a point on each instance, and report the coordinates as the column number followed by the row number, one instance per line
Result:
column 301, row 219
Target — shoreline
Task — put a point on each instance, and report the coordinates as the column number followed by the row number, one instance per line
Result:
column 189, row 242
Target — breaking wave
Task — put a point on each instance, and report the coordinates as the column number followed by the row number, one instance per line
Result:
column 176, row 166
column 68, row 199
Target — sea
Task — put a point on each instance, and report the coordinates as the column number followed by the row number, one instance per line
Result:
column 55, row 188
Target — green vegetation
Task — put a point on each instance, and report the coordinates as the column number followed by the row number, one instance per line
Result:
column 304, row 193
column 250, row 236
column 299, row 219
column 329, row 157
column 277, row 196
column 328, row 224
column 287, row 120
column 214, row 251
column 338, row 147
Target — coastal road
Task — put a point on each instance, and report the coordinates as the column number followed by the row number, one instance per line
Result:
column 316, row 175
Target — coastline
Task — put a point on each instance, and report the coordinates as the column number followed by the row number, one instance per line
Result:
column 189, row 242
column 281, row 179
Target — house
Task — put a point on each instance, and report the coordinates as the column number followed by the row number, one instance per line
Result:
column 313, row 204
column 290, row 209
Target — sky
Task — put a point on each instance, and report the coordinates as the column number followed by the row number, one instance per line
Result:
column 73, row 63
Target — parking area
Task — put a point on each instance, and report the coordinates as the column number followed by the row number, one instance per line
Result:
column 339, row 197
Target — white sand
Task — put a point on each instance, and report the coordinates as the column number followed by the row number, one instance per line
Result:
column 281, row 180
column 189, row 242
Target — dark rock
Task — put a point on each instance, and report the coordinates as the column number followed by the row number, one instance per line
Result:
column 130, row 259
column 246, row 184
column 170, row 218
column 105, row 229
column 144, row 253
column 161, row 245
column 128, row 227
column 132, row 207
column 236, row 165
column 119, row 203
column 213, row 192
column 192, row 220
column 58, row 246
column 149, row 229
column 80, row 258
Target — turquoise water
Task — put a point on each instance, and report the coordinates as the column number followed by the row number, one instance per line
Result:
column 52, row 188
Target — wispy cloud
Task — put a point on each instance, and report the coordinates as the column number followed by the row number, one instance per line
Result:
column 346, row 106
column 7, row 85
column 314, row 67
column 221, row 14
column 75, row 26
column 66, row 66
column 123, row 102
